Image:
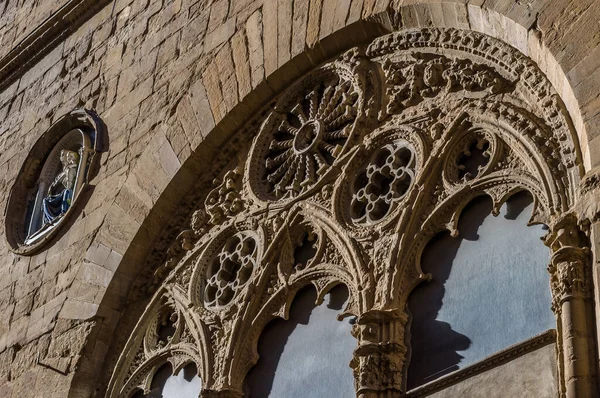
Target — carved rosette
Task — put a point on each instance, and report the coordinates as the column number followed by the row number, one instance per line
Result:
column 225, row 269
column 165, row 329
column 309, row 129
column 471, row 156
column 379, row 179
column 353, row 170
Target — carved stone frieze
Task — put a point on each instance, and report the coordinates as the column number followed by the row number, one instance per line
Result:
column 426, row 76
column 351, row 171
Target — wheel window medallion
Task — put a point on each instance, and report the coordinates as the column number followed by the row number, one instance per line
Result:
column 306, row 133
column 52, row 181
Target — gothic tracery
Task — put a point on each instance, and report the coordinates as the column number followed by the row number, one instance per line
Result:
column 367, row 186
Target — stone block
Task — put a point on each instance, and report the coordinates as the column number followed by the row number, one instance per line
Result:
column 218, row 14
column 314, row 22
column 328, row 14
column 354, row 14
column 219, row 36
column 75, row 309
column 284, row 31
column 255, row 48
column 240, row 60
column 94, row 274
column 210, row 80
column 270, row 36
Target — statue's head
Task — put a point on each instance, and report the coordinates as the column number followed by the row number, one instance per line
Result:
column 68, row 158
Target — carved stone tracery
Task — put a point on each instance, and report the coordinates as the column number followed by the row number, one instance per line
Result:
column 384, row 182
column 229, row 270
column 339, row 189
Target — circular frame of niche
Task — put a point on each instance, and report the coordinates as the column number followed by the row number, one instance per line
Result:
column 52, row 180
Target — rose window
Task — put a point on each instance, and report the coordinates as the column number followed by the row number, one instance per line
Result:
column 382, row 183
column 309, row 135
column 229, row 271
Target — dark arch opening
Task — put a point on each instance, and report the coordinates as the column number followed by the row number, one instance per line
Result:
column 307, row 355
column 490, row 289
column 165, row 384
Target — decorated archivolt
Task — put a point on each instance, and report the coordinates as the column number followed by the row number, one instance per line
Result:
column 351, row 172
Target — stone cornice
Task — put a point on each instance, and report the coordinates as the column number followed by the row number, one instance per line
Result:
column 46, row 37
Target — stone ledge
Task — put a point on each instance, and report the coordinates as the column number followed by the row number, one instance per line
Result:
column 504, row 356
column 46, row 37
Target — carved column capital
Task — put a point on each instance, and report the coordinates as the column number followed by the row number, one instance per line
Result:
column 379, row 359
column 569, row 276
column 570, row 263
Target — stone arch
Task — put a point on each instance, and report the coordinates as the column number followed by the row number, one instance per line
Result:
column 376, row 19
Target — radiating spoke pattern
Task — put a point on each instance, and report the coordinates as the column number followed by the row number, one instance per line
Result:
column 308, row 137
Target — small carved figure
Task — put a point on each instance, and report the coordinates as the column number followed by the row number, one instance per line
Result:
column 60, row 192
column 224, row 201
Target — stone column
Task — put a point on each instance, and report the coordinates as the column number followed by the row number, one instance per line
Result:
column 378, row 361
column 572, row 302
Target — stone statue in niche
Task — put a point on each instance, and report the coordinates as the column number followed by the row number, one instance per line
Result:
column 52, row 179
column 61, row 180
column 60, row 192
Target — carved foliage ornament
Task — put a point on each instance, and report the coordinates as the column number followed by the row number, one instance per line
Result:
column 52, row 180
column 354, row 170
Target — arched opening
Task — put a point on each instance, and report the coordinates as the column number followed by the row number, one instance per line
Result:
column 165, row 384
column 490, row 290
column 287, row 362
column 309, row 354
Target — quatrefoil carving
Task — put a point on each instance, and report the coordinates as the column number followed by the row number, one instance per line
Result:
column 230, row 270
column 382, row 183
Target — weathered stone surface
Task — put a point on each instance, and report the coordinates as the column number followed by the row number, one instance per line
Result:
column 533, row 374
column 173, row 81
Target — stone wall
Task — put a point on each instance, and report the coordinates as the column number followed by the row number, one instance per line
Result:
column 172, row 79
column 18, row 18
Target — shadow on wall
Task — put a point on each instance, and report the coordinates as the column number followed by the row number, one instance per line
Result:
column 308, row 355
column 185, row 384
column 490, row 290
